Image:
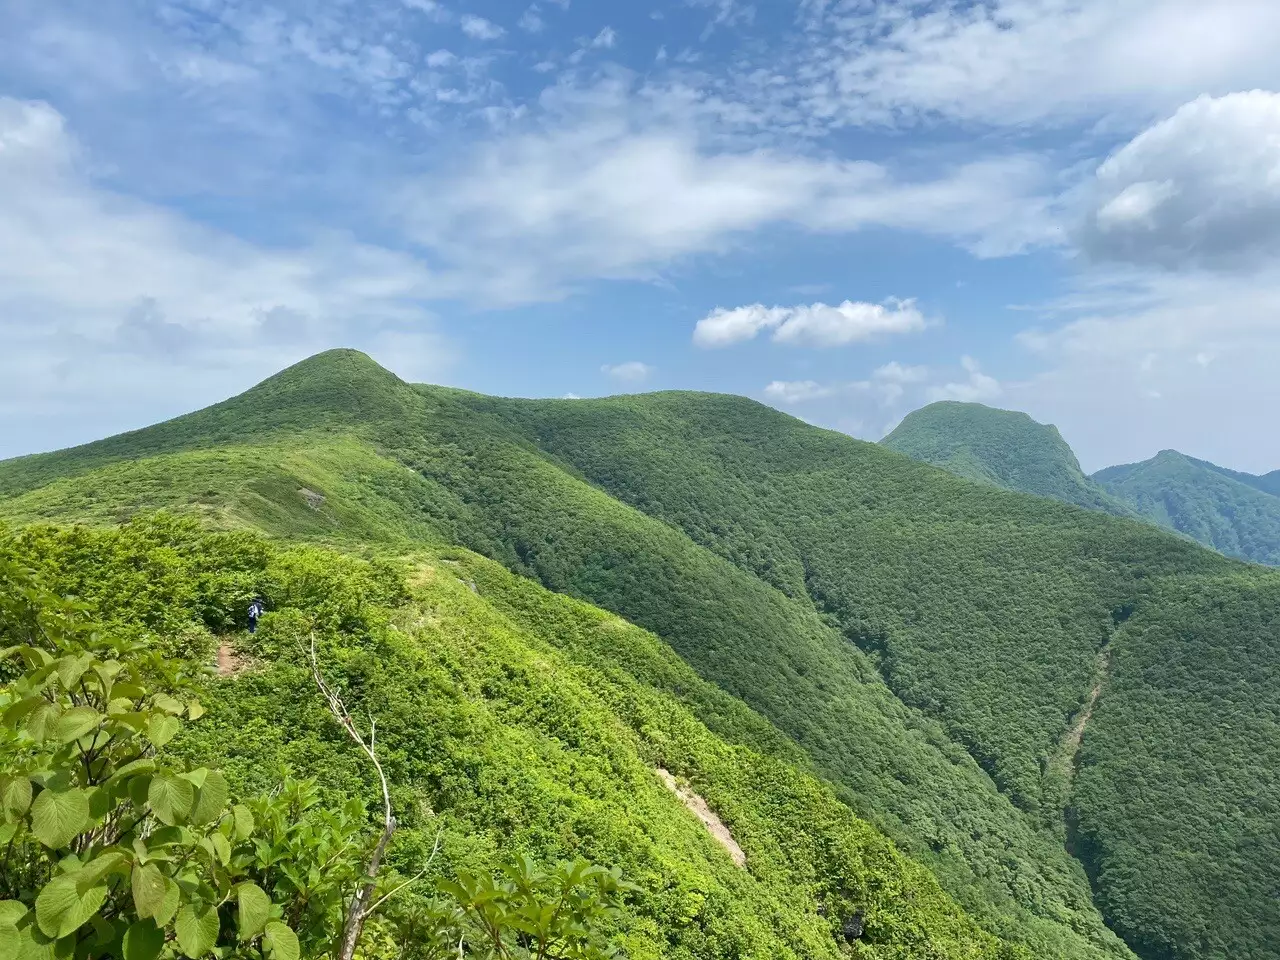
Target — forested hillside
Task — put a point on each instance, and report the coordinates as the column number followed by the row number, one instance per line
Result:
column 925, row 641
column 511, row 722
column 1002, row 448
column 1229, row 511
column 1237, row 514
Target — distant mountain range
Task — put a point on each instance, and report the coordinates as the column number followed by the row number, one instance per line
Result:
column 1237, row 514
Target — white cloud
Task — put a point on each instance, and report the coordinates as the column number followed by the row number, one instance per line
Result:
column 886, row 386
column 977, row 388
column 478, row 28
column 816, row 324
column 895, row 372
column 1013, row 62
column 1200, row 188
column 799, row 391
column 605, row 39
column 606, row 188
column 633, row 371
column 98, row 290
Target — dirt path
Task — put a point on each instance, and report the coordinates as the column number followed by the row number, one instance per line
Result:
column 229, row 662
column 1063, row 763
column 715, row 826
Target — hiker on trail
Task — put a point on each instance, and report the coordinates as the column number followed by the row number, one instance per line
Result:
column 256, row 609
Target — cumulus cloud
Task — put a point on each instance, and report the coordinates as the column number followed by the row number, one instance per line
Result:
column 976, row 388
column 817, row 324
column 633, row 371
column 1201, row 188
column 478, row 28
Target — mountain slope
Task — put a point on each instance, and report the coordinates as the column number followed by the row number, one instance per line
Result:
column 999, row 447
column 502, row 726
column 1208, row 503
column 795, row 568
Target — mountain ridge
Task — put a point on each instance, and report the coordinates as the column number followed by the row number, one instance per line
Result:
column 1003, row 448
column 925, row 640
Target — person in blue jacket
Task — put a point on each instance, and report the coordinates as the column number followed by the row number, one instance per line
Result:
column 256, row 609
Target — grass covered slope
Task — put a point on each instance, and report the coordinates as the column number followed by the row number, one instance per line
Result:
column 1002, row 448
column 475, row 480
column 984, row 608
column 1230, row 512
column 510, row 738
column 793, row 568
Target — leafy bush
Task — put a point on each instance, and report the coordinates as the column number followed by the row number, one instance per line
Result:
column 115, row 847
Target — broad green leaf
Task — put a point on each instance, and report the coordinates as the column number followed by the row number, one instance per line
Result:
column 71, row 669
column 34, row 945
column 15, row 796
column 75, row 723
column 161, row 729
column 253, row 910
column 211, row 799
column 143, row 941
column 147, row 885
column 15, row 712
column 168, row 704
column 92, row 872
column 62, row 909
column 197, row 930
column 57, row 817
column 244, row 821
column 11, row 911
column 281, row 941
column 172, row 897
column 132, row 769
column 10, row 941
column 41, row 721
column 221, row 848
column 170, row 798
column 139, row 789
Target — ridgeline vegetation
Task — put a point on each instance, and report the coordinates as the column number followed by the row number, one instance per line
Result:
column 911, row 648
column 1237, row 514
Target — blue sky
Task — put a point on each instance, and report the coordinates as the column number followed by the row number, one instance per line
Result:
column 844, row 208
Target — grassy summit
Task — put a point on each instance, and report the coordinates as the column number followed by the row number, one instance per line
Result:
column 924, row 643
column 999, row 447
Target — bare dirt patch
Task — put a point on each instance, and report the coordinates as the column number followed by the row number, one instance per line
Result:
column 715, row 826
column 230, row 663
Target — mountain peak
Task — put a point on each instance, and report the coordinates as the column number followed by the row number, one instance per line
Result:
column 1001, row 448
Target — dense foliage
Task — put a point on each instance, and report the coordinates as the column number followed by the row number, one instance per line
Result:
column 114, row 847
column 1231, row 512
column 506, row 746
column 1002, row 448
column 844, row 592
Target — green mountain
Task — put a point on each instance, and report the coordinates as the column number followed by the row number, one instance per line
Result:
column 1229, row 511
column 1062, row 715
column 1001, row 448
column 512, row 718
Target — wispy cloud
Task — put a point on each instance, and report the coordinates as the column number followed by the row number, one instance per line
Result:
column 632, row 371
column 817, row 324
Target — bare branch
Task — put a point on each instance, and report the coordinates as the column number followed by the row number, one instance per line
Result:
column 416, row 877
column 362, row 903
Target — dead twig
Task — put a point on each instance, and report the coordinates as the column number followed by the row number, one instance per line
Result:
column 362, row 904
